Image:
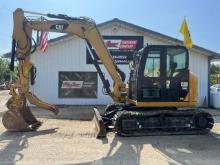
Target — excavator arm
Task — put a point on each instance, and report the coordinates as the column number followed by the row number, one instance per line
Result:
column 84, row 28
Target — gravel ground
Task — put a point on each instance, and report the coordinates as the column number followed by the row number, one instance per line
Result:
column 65, row 140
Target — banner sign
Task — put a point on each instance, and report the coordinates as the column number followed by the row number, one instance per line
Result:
column 121, row 48
column 77, row 84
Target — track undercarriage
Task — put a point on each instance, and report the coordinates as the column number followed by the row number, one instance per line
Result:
column 129, row 120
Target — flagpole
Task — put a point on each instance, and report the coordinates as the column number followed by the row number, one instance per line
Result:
column 37, row 38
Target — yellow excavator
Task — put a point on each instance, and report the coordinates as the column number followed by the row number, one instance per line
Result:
column 159, row 98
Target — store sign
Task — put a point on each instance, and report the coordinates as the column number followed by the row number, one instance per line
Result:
column 77, row 85
column 72, row 84
column 121, row 44
column 121, row 48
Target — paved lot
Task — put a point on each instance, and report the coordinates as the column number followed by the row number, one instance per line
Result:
column 62, row 140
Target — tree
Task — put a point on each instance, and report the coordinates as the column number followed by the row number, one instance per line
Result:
column 215, row 70
column 5, row 71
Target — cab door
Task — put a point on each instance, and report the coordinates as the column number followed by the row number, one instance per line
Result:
column 152, row 80
column 177, row 74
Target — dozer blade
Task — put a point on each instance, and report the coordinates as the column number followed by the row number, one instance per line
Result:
column 100, row 129
column 20, row 120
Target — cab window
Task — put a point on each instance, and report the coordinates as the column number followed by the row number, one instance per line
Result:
column 176, row 61
column 152, row 65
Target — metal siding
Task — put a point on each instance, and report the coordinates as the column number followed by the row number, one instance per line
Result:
column 198, row 64
column 70, row 55
column 65, row 56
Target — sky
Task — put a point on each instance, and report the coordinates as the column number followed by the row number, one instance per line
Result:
column 163, row 16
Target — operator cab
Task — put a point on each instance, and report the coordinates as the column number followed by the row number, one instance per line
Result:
column 160, row 73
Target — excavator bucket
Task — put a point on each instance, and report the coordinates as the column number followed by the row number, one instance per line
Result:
column 19, row 117
column 100, row 129
column 20, row 120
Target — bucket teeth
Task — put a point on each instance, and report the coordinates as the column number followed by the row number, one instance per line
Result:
column 100, row 129
column 35, row 126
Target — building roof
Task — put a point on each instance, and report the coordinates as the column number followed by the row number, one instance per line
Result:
column 210, row 53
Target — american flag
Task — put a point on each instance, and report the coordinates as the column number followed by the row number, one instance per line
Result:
column 43, row 43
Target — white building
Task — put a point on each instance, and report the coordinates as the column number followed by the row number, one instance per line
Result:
column 68, row 54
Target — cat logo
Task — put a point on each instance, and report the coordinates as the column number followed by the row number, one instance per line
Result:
column 60, row 26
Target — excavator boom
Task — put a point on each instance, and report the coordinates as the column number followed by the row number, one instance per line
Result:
column 84, row 28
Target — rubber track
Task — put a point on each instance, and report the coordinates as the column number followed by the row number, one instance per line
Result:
column 189, row 113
